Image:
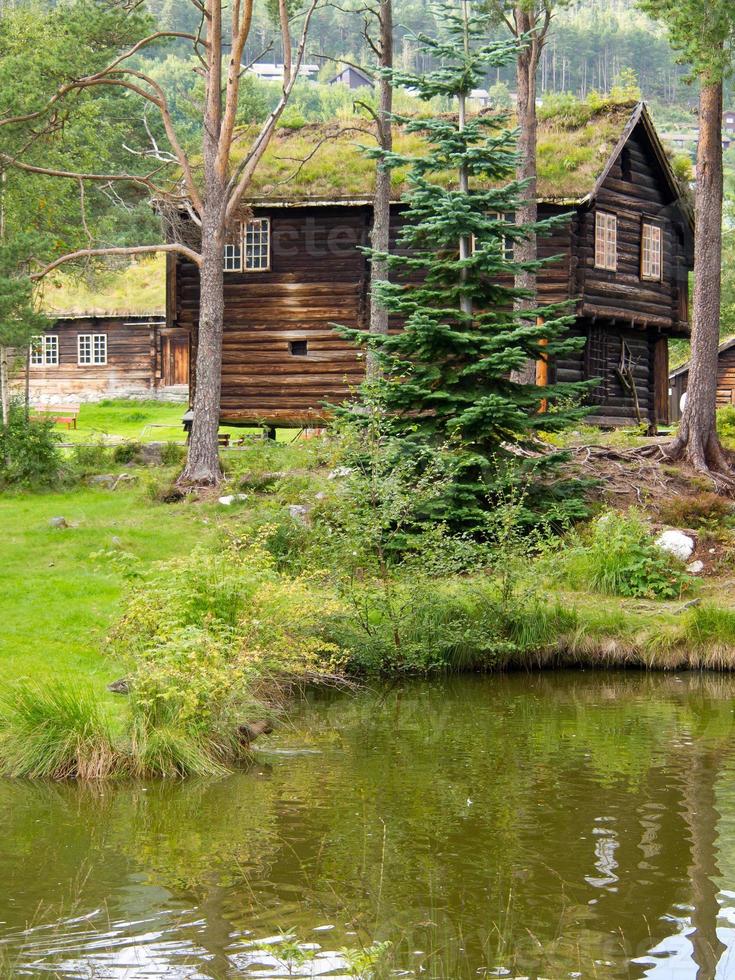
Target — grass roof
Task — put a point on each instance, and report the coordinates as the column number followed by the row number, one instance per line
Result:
column 324, row 160
column 135, row 289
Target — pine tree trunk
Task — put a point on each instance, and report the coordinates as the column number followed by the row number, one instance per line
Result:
column 697, row 439
column 4, row 385
column 380, row 232
column 527, row 213
column 202, row 465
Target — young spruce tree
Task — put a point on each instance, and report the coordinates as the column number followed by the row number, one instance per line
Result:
column 446, row 376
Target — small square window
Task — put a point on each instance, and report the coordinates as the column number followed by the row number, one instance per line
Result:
column 233, row 258
column 299, row 348
column 45, row 350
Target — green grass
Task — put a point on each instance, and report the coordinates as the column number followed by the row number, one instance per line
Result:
column 137, row 288
column 138, row 421
column 56, row 601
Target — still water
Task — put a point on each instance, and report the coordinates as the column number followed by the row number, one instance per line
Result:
column 555, row 825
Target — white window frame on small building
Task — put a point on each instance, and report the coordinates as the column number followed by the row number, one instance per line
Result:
column 92, row 349
column 652, row 251
column 507, row 244
column 606, row 241
column 251, row 251
column 44, row 350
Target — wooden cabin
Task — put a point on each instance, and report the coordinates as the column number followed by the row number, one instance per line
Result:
column 294, row 268
column 679, row 380
column 90, row 357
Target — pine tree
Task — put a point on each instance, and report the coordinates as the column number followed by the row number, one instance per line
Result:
column 447, row 373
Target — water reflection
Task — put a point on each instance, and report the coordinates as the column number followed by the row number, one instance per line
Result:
column 546, row 826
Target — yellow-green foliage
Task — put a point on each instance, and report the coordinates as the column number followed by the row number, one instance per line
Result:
column 136, row 288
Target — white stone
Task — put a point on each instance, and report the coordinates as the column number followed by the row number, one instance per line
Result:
column 676, row 543
column 339, row 471
column 230, row 498
column 695, row 567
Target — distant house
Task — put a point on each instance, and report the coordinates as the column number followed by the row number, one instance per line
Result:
column 728, row 120
column 269, row 72
column 295, row 267
column 86, row 358
column 679, row 380
column 352, row 77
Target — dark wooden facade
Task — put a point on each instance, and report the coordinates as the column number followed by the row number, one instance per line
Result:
column 282, row 360
column 679, row 380
column 143, row 358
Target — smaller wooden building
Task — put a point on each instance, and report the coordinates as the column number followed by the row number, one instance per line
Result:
column 87, row 358
column 679, row 379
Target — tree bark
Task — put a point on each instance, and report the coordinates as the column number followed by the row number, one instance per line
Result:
column 525, row 250
column 202, row 463
column 380, row 232
column 697, row 438
column 4, row 385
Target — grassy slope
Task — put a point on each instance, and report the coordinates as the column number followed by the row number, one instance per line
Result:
column 56, row 601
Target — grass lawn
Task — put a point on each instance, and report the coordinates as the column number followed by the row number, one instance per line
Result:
column 57, row 602
column 139, row 421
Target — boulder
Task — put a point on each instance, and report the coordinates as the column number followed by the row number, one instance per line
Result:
column 230, row 498
column 119, row 687
column 58, row 522
column 695, row 567
column 150, row 453
column 299, row 512
column 676, row 543
column 339, row 472
column 102, row 480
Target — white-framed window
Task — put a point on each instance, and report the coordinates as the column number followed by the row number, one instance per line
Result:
column 92, row 348
column 45, row 350
column 651, row 251
column 251, row 252
column 606, row 241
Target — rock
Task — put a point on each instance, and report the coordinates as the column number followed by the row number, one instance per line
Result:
column 676, row 543
column 299, row 512
column 58, row 522
column 339, row 472
column 102, row 480
column 320, row 496
column 150, row 453
column 260, row 481
column 249, row 732
column 695, row 567
column 119, row 687
column 230, row 498
column 115, row 541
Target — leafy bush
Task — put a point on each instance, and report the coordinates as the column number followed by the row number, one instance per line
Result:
column 54, row 732
column 618, row 557
column 726, row 424
column 125, row 452
column 172, row 454
column 91, row 458
column 29, row 453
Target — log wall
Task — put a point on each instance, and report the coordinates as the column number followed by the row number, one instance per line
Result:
column 133, row 367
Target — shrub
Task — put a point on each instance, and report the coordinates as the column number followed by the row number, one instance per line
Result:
column 172, row 454
column 89, row 459
column 618, row 557
column 29, row 453
column 125, row 452
column 726, row 423
column 57, row 731
column 695, row 511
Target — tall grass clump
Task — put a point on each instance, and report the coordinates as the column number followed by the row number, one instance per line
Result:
column 57, row 731
column 617, row 556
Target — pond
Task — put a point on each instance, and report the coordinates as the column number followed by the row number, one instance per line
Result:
column 575, row 824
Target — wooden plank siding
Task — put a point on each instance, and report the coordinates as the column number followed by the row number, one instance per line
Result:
column 133, row 367
column 319, row 276
column 725, row 381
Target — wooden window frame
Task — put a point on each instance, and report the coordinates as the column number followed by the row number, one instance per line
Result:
column 239, row 255
column 648, row 225
column 605, row 245
column 48, row 344
column 93, row 342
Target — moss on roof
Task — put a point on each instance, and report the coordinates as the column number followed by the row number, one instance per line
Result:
column 325, row 161
column 135, row 289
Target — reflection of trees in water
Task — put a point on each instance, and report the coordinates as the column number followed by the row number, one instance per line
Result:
column 477, row 817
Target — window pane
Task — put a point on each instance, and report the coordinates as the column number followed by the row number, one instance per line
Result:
column 257, row 244
column 37, row 350
column 84, row 341
column 51, row 349
column 233, row 258
column 100, row 348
